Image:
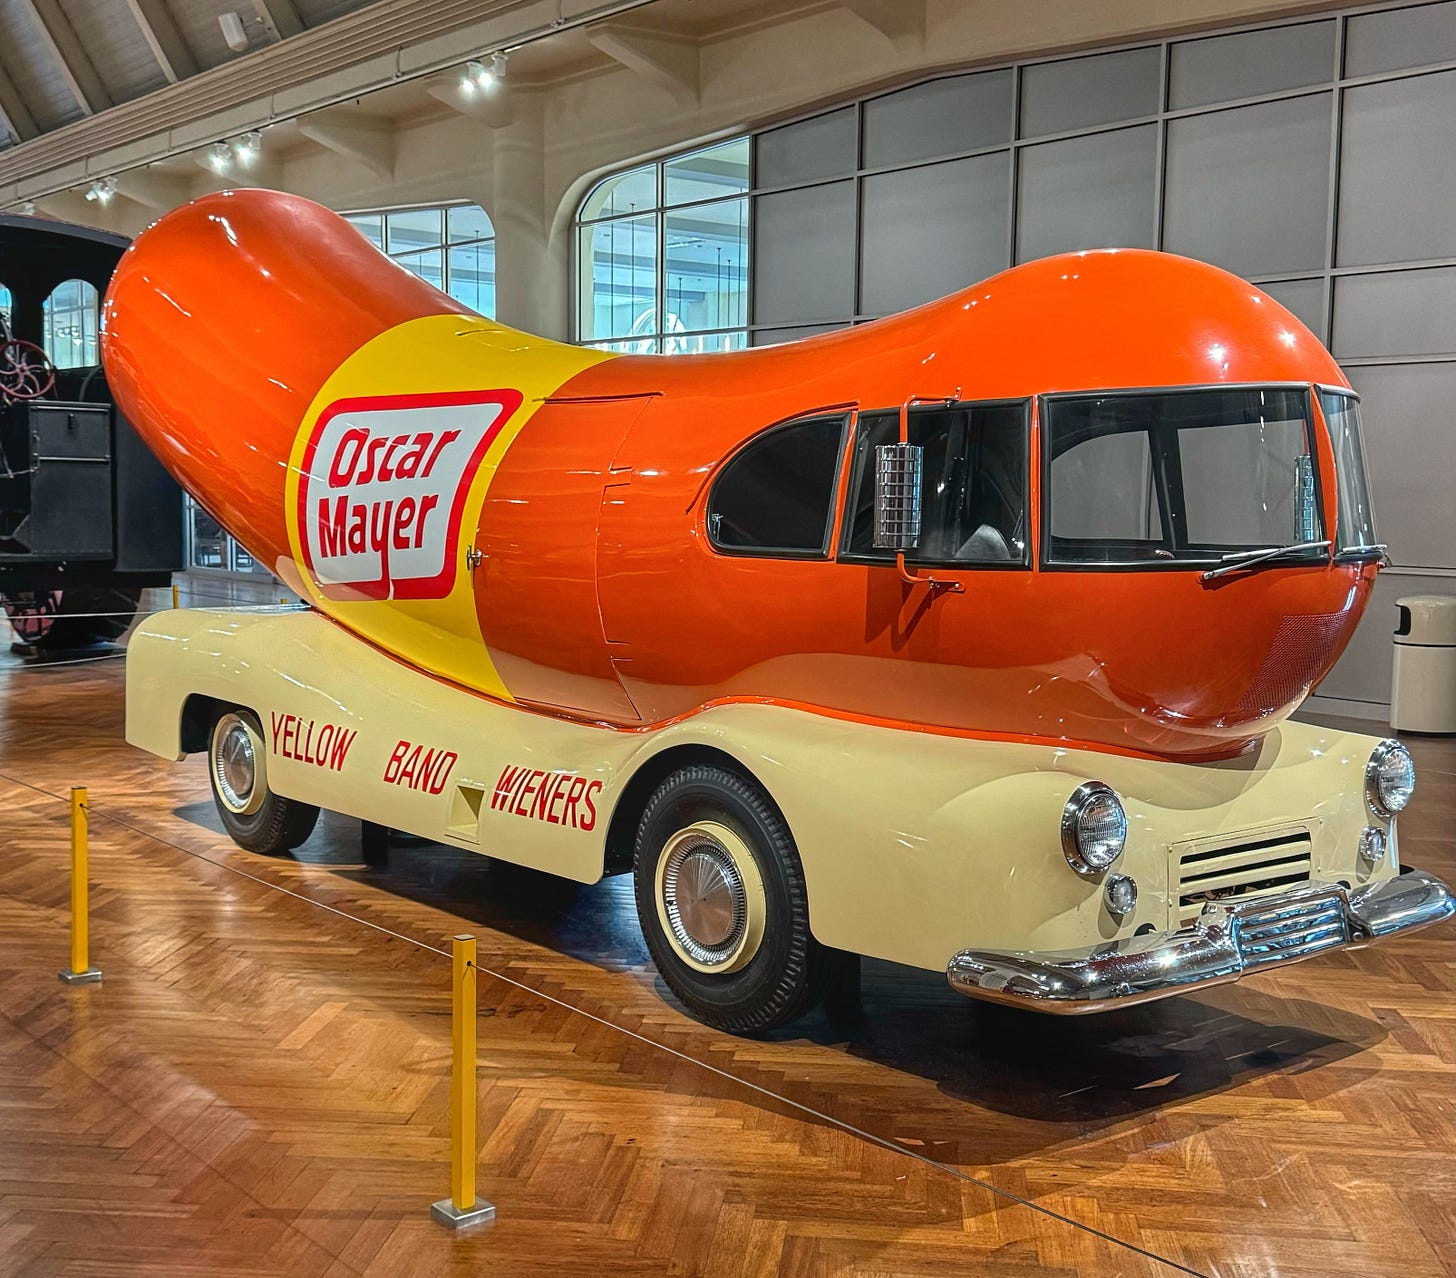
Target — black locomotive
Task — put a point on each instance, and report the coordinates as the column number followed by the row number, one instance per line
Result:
column 88, row 517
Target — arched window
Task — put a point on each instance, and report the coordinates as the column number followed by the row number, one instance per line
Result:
column 450, row 246
column 6, row 302
column 776, row 496
column 662, row 255
column 70, row 325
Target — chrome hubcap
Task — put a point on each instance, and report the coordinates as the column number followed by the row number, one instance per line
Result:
column 234, row 764
column 704, row 898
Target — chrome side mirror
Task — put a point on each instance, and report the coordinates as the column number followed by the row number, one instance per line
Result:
column 898, row 470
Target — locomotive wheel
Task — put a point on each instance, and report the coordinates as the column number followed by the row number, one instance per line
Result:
column 237, row 764
column 721, row 898
column 72, row 619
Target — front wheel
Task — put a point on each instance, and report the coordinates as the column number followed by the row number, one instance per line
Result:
column 721, row 898
column 255, row 818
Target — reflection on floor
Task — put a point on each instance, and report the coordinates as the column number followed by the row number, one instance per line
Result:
column 259, row 1086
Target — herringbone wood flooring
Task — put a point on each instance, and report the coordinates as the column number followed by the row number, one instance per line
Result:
column 260, row 1086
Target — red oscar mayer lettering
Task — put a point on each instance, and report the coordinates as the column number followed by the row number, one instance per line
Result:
column 417, row 767
column 383, row 490
column 326, row 745
column 558, row 798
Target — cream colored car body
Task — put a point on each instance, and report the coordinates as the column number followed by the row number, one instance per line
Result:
column 915, row 845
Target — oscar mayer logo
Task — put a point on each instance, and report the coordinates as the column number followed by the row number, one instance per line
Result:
column 383, row 490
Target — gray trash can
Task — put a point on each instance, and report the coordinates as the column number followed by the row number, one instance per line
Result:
column 1423, row 689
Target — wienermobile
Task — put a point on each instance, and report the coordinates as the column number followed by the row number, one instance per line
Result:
column 967, row 639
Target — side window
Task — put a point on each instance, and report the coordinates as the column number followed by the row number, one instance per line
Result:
column 973, row 495
column 70, row 325
column 776, row 496
column 6, row 303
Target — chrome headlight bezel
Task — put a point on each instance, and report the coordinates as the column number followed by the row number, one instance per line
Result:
column 1375, row 791
column 1082, row 801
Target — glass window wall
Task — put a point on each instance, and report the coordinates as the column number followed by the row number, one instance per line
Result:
column 662, row 256
column 450, row 246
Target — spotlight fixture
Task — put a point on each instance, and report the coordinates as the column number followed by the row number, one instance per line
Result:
column 251, row 142
column 102, row 191
column 479, row 75
column 220, row 156
column 233, row 31
column 27, row 208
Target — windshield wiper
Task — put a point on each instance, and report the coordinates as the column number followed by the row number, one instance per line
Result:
column 1377, row 548
column 1238, row 559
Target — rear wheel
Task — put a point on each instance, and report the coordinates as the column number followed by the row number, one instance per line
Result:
column 721, row 897
column 255, row 818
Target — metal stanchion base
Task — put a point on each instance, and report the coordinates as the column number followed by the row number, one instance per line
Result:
column 89, row 977
column 446, row 1213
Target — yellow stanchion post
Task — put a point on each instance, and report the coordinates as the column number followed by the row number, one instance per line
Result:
column 80, row 972
column 175, row 595
column 462, row 1209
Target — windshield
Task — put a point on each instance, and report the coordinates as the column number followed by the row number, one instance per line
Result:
column 1354, row 519
column 1179, row 476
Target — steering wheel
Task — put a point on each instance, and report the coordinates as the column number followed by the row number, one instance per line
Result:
column 26, row 371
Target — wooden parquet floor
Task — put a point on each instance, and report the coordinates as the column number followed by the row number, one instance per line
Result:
column 260, row 1084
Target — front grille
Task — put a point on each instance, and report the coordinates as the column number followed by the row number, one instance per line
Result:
column 1236, row 872
column 1275, row 933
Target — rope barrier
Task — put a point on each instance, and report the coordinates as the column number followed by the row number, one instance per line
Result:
column 148, row 612
column 38, row 667
column 463, row 963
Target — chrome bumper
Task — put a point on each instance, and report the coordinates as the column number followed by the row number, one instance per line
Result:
column 1227, row 941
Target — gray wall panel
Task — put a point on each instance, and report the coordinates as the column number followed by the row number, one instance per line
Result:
column 1408, row 413
column 803, row 266
column 1092, row 192
column 932, row 230
column 821, row 147
column 1398, row 171
column 1250, row 63
column 1414, row 37
column 943, row 117
column 1057, row 97
column 1247, row 188
column 1394, row 313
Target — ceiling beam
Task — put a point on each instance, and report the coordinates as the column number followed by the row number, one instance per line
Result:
column 364, row 138
column 159, row 29
column 899, row 21
column 153, row 189
column 280, row 17
column 15, row 116
column 492, row 106
column 668, row 61
column 69, row 55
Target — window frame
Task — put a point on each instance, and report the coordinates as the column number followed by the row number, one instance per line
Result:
column 1046, row 563
column 846, row 530
column 1341, row 554
column 846, row 417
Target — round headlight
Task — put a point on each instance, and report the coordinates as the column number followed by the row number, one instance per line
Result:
column 1390, row 778
column 1094, row 828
